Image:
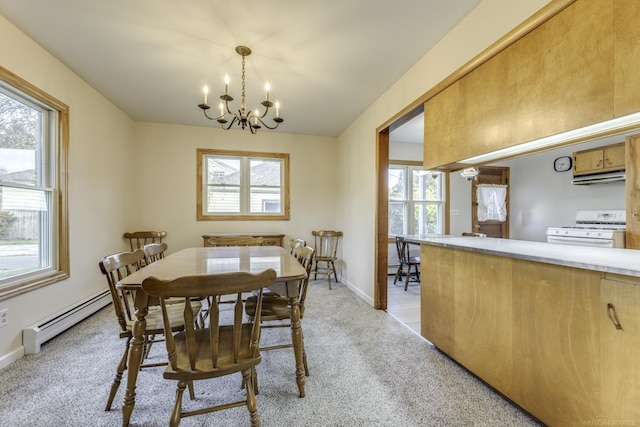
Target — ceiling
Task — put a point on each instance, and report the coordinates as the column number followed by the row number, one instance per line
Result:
column 326, row 61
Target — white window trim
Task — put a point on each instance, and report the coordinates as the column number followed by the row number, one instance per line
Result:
column 409, row 203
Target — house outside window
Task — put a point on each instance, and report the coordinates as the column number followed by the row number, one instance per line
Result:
column 242, row 185
column 416, row 200
column 33, row 220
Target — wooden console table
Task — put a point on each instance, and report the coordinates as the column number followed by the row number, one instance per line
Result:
column 270, row 239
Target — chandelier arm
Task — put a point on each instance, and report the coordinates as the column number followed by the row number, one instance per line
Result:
column 226, row 105
column 266, row 125
column 211, row 118
column 230, row 124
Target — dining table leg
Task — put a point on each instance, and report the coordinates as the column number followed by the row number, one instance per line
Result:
column 296, row 338
column 135, row 356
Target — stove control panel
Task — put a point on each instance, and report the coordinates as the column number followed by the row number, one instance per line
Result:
column 617, row 216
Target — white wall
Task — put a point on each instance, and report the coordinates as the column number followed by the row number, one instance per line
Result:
column 489, row 21
column 166, row 181
column 541, row 197
column 99, row 171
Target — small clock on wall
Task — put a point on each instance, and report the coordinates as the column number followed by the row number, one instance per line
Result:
column 562, row 164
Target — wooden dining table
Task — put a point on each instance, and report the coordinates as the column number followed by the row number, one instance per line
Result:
column 212, row 260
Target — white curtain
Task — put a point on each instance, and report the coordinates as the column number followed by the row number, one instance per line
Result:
column 492, row 202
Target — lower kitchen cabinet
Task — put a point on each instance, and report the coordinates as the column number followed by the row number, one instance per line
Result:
column 541, row 334
column 620, row 350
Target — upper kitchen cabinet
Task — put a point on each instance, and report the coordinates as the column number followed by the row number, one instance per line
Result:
column 626, row 57
column 557, row 77
column 601, row 159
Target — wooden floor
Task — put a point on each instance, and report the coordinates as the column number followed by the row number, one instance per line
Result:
column 404, row 305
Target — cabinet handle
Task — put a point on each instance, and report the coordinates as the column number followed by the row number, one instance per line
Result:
column 599, row 163
column 611, row 312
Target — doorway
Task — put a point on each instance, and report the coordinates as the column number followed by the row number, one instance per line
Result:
column 490, row 175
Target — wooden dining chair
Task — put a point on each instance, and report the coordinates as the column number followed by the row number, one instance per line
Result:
column 326, row 246
column 296, row 243
column 276, row 308
column 154, row 252
column 235, row 241
column 405, row 259
column 226, row 346
column 116, row 267
column 138, row 239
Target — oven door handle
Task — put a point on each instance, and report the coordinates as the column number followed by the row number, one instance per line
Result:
column 583, row 241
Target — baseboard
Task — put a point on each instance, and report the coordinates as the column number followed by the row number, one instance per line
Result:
column 11, row 357
column 366, row 298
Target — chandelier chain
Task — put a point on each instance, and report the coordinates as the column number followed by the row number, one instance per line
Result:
column 242, row 106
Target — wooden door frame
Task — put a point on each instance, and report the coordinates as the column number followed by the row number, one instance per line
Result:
column 505, row 176
column 381, row 258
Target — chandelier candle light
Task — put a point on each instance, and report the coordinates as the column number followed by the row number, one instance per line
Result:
column 244, row 119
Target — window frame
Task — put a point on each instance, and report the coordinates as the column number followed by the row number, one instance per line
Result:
column 59, row 173
column 203, row 153
column 410, row 204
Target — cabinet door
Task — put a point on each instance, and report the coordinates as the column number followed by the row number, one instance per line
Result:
column 614, row 156
column 483, row 317
column 437, row 297
column 620, row 351
column 588, row 161
column 556, row 342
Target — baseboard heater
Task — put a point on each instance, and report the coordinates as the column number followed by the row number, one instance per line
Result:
column 37, row 334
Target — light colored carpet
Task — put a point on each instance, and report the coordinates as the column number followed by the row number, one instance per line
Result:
column 367, row 369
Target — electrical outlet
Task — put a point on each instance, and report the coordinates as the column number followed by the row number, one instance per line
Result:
column 4, row 317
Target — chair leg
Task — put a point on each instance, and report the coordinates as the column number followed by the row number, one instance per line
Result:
column 406, row 282
column 174, row 421
column 252, row 404
column 122, row 366
column 192, row 393
column 304, row 359
column 398, row 272
column 146, row 348
column 335, row 273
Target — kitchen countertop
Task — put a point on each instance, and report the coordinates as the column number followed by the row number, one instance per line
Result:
column 609, row 260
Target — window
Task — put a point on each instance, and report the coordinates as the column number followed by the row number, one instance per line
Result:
column 242, row 185
column 33, row 218
column 416, row 200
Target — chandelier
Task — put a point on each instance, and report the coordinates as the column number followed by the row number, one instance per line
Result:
column 242, row 117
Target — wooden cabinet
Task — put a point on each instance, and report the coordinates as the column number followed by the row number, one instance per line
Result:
column 601, row 159
column 270, row 239
column 437, row 322
column 540, row 334
column 626, row 57
column 556, row 342
column 620, row 349
column 632, row 190
column 528, row 90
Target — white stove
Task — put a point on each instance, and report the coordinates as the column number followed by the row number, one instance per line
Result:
column 601, row 228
